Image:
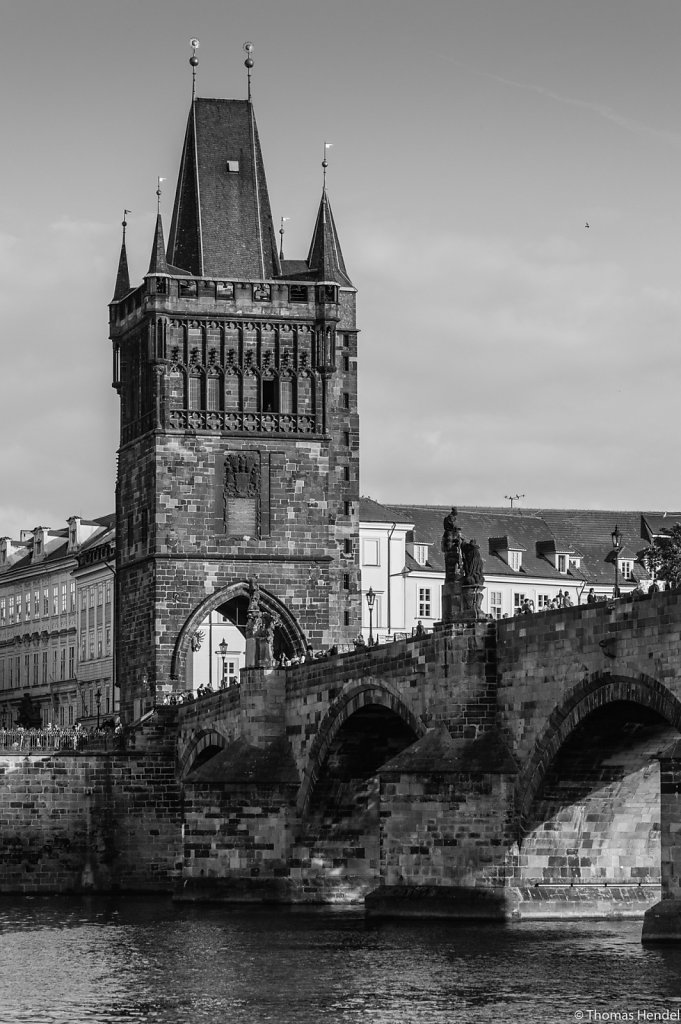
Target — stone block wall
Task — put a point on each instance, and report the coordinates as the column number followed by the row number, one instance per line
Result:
column 76, row 821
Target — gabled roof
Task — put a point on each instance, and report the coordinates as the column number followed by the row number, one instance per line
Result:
column 325, row 258
column 506, row 543
column 222, row 221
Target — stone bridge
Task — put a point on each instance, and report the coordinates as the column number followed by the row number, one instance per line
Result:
column 503, row 768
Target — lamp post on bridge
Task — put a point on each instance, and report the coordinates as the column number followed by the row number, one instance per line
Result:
column 616, row 537
column 98, row 698
column 222, row 652
column 371, row 600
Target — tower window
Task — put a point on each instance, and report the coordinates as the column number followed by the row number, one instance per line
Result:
column 194, row 393
column 213, row 393
column 270, row 395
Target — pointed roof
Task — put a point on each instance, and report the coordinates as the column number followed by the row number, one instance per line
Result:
column 325, row 257
column 222, row 222
column 123, row 276
column 157, row 262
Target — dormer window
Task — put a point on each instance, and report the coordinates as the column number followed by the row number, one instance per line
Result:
column 421, row 554
column 626, row 568
column 562, row 563
column 515, row 560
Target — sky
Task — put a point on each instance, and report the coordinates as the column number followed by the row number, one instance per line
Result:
column 506, row 348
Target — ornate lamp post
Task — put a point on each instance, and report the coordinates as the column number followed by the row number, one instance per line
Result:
column 371, row 600
column 616, row 546
column 222, row 651
column 98, row 698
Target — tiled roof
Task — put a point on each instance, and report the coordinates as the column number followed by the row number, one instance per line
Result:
column 222, row 221
column 371, row 511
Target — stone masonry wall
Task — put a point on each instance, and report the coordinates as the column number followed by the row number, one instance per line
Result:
column 76, row 821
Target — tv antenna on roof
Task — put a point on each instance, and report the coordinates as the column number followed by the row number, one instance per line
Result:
column 513, row 497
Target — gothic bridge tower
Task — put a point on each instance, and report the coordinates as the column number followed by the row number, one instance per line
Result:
column 239, row 436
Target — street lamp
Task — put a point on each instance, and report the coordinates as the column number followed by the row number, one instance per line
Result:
column 371, row 600
column 616, row 537
column 222, row 651
column 98, row 698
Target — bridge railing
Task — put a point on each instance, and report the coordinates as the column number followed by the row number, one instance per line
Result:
column 18, row 740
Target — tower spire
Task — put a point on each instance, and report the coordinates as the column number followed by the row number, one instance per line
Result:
column 123, row 276
column 194, row 62
column 248, row 64
column 158, row 264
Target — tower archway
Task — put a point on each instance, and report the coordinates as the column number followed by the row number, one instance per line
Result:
column 230, row 607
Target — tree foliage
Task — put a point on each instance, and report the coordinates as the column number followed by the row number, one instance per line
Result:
column 664, row 557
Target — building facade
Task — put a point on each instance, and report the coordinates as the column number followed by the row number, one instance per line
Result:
column 239, row 436
column 40, row 598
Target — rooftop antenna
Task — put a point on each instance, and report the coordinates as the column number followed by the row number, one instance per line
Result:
column 281, row 232
column 248, row 64
column 194, row 61
column 124, row 222
column 325, row 162
column 513, row 497
column 159, row 194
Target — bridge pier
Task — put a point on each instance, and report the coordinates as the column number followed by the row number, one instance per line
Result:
column 662, row 923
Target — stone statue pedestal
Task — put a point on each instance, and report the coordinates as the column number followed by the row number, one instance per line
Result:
column 258, row 652
column 460, row 601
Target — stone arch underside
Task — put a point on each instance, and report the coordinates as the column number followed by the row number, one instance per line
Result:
column 204, row 745
column 288, row 625
column 339, row 800
column 589, row 798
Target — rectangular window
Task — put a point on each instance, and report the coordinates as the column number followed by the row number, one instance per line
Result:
column 46, row 601
column 92, row 594
column 27, row 669
column 70, row 714
column 107, row 634
column 3, row 611
column 543, row 601
column 346, row 363
column 562, row 563
column 518, row 601
column 83, row 600
column 62, row 715
column 108, row 593
column 100, row 594
column 347, row 545
column 63, row 597
column 626, row 569
column 55, row 599
column 2, row 673
column 370, row 552
column 515, row 560
column 72, row 595
column 346, row 508
column 91, row 644
column 495, row 604
column 18, row 607
column 54, row 665
column 44, row 666
column 346, row 400
column 36, row 667
column 194, row 393
column 72, row 662
column 131, row 531
column 83, row 649
column 99, row 643
column 424, row 603
column 10, row 673
column 11, row 608
column 27, row 606
column 346, row 581
column 213, row 393
column 17, row 665
column 62, row 663
column 36, row 604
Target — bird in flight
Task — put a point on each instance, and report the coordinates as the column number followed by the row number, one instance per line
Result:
column 586, row 225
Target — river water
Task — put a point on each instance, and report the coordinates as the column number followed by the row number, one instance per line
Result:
column 82, row 960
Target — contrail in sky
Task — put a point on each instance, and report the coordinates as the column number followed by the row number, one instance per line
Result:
column 601, row 109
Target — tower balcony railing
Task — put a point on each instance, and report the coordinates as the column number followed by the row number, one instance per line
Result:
column 242, row 422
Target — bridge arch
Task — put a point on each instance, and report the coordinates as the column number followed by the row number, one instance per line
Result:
column 288, row 626
column 204, row 745
column 353, row 700
column 593, row 693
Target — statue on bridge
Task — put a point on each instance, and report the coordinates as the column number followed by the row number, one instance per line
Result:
column 260, row 627
column 464, row 574
column 452, row 547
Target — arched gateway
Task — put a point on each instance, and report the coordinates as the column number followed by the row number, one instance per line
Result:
column 232, row 603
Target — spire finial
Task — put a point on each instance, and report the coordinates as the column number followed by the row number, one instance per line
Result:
column 159, row 193
column 124, row 223
column 194, row 61
column 248, row 64
column 281, row 232
column 325, row 162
